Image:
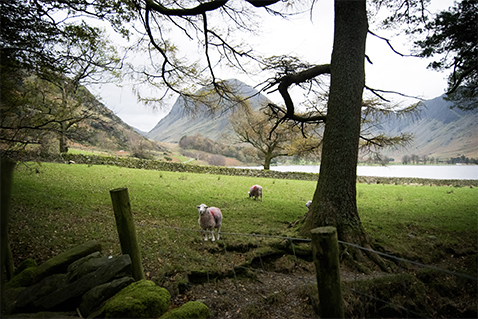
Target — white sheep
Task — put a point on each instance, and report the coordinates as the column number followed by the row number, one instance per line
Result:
column 309, row 207
column 210, row 218
column 308, row 204
column 255, row 191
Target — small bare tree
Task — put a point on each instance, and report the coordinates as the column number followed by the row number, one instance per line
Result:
column 268, row 139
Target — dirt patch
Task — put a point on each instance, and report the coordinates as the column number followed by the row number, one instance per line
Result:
column 276, row 295
column 264, row 295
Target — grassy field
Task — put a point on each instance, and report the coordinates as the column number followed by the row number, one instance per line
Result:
column 56, row 206
column 401, row 218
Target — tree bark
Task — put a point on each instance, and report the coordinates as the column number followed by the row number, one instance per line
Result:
column 334, row 201
column 267, row 161
column 62, row 140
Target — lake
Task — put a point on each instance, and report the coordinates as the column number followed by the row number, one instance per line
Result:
column 413, row 171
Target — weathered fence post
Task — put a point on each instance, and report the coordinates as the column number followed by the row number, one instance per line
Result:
column 126, row 230
column 325, row 250
column 7, row 167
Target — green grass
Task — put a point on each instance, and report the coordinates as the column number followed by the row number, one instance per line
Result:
column 63, row 205
column 413, row 220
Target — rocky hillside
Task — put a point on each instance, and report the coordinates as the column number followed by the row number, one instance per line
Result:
column 179, row 123
column 109, row 132
column 438, row 132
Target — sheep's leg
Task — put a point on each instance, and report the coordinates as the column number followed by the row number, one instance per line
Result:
column 205, row 235
column 218, row 232
column 212, row 235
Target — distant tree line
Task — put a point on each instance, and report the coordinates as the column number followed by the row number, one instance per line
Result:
column 376, row 158
column 462, row 160
column 416, row 159
column 245, row 154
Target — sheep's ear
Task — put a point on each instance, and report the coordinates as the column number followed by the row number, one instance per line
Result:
column 197, row 206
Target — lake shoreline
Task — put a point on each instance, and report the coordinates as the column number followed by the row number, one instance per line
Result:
column 438, row 172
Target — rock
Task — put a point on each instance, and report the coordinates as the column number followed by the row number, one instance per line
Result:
column 23, row 279
column 48, row 285
column 69, row 296
column 190, row 310
column 60, row 263
column 99, row 294
column 85, row 266
column 9, row 299
column 141, row 299
column 76, row 264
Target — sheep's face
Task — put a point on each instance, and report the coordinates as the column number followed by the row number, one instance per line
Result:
column 202, row 208
column 308, row 204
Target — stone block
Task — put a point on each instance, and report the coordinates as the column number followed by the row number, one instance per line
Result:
column 60, row 263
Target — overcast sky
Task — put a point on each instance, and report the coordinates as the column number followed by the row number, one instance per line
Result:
column 311, row 40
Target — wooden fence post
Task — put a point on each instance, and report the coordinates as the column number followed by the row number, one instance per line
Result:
column 325, row 250
column 7, row 167
column 126, row 230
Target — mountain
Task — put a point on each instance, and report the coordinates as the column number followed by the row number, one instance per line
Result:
column 440, row 131
column 179, row 122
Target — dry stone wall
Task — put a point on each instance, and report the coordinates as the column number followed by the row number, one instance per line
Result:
column 83, row 282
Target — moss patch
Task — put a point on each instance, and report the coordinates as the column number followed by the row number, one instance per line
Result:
column 191, row 309
column 27, row 263
column 142, row 299
column 23, row 279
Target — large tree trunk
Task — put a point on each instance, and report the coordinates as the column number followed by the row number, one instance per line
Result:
column 334, row 202
column 335, row 196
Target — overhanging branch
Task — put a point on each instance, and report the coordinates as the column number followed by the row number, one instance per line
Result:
column 297, row 78
column 376, row 92
column 389, row 44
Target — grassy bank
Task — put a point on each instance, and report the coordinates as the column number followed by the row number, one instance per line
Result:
column 56, row 206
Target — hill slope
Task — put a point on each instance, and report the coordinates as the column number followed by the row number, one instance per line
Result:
column 108, row 131
column 439, row 132
column 178, row 123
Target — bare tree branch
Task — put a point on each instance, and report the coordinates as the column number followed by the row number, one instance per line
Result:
column 376, row 92
column 389, row 44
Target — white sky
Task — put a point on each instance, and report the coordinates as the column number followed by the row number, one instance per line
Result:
column 311, row 40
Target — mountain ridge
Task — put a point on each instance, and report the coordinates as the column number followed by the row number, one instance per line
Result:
column 439, row 131
column 179, row 123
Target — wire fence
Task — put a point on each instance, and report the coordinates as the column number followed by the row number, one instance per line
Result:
column 178, row 254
